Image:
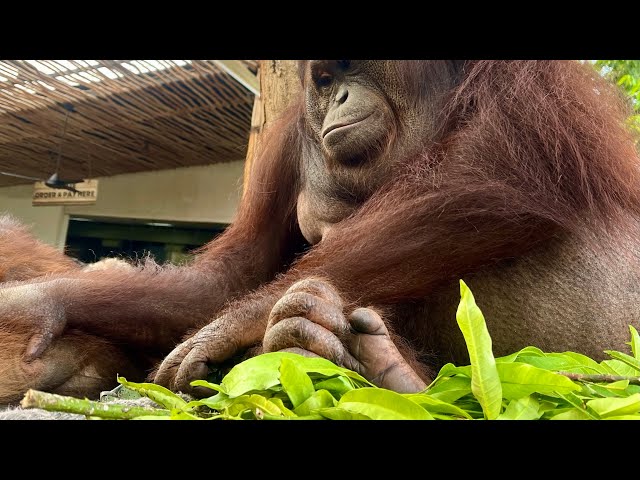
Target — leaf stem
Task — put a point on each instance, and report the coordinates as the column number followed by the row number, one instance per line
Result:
column 89, row 408
column 595, row 378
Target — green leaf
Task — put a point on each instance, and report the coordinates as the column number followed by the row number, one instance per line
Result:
column 337, row 413
column 283, row 408
column 450, row 389
column 295, row 417
column 256, row 403
column 528, row 351
column 521, row 379
column 177, row 414
column 255, row 374
column 485, row 382
column 580, row 359
column 635, row 342
column 571, row 414
column 546, row 407
column 573, row 400
column 548, row 363
column 525, row 408
column 470, row 405
column 337, row 386
column 155, row 392
column 615, row 389
column 567, row 361
column 619, row 385
column 576, row 402
column 623, row 357
column 324, row 367
column 625, row 79
column 381, row 404
column 435, row 406
column 217, row 402
column 203, row 383
column 295, row 382
column 594, row 390
column 449, row 370
column 608, row 407
column 616, row 367
column 262, row 372
column 318, row 400
column 624, row 417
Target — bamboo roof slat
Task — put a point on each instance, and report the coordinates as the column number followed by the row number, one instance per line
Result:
column 122, row 116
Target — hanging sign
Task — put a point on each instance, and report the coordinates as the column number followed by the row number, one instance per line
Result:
column 87, row 194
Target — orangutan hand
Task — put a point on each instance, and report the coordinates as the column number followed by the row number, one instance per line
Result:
column 309, row 319
column 226, row 337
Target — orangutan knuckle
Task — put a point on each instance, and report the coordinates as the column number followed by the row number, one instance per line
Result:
column 292, row 305
column 306, row 285
column 323, row 289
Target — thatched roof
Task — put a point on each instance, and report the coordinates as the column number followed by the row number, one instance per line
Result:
column 123, row 116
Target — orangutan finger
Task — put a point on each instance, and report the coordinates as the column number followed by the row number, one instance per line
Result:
column 193, row 367
column 213, row 344
column 368, row 321
column 311, row 307
column 302, row 333
column 166, row 373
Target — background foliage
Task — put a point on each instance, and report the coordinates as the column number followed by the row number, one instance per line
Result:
column 626, row 74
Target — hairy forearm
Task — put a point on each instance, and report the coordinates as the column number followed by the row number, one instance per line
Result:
column 151, row 307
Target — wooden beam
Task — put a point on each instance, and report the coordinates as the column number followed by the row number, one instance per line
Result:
column 241, row 73
column 278, row 80
column 257, row 122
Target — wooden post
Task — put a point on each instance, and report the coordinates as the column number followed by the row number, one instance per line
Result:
column 279, row 84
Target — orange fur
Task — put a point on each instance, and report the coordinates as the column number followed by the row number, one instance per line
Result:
column 18, row 249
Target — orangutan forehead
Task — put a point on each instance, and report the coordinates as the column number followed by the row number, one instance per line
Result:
column 400, row 67
column 374, row 67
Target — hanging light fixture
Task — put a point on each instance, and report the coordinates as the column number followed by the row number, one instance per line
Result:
column 54, row 181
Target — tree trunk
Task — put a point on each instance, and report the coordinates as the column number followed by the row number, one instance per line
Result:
column 279, row 84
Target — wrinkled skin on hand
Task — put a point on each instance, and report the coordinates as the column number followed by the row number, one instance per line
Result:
column 213, row 344
column 240, row 327
column 310, row 319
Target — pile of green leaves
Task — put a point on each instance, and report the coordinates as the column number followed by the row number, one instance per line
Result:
column 527, row 385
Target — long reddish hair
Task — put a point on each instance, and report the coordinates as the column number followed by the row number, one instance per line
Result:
column 527, row 150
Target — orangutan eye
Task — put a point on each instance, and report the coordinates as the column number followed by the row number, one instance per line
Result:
column 324, row 80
